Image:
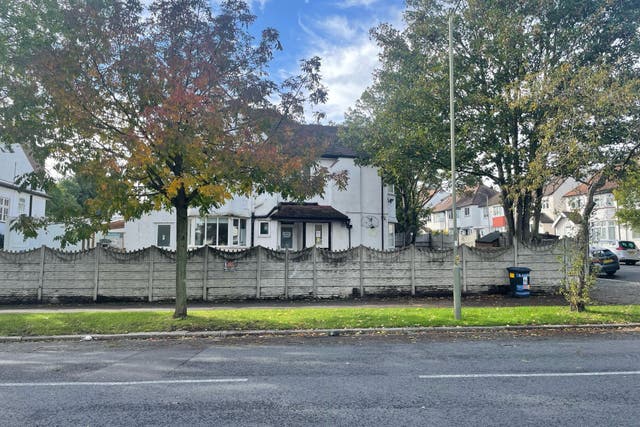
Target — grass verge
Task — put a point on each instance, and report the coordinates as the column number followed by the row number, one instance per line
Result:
column 112, row 322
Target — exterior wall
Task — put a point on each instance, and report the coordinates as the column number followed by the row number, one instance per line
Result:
column 13, row 164
column 475, row 224
column 555, row 201
column 363, row 197
column 144, row 232
column 15, row 241
column 48, row 275
column 603, row 222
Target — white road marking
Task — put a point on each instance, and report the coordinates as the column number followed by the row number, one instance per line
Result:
column 124, row 383
column 530, row 375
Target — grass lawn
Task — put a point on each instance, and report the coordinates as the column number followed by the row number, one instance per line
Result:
column 108, row 322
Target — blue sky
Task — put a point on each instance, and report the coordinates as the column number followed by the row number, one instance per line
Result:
column 335, row 30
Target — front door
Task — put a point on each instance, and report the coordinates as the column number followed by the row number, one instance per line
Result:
column 286, row 236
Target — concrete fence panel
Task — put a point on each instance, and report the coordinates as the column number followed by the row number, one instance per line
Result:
column 49, row 275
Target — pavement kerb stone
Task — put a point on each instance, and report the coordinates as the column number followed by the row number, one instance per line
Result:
column 308, row 332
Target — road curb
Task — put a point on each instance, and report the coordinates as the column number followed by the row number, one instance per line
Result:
column 310, row 332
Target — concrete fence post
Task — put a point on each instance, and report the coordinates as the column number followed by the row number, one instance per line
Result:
column 151, row 252
column 286, row 273
column 41, row 277
column 463, row 253
column 314, row 260
column 205, row 272
column 259, row 272
column 413, row 269
column 361, row 259
column 96, row 274
column 565, row 262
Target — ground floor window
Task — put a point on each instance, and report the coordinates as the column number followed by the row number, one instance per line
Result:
column 164, row 235
column 603, row 230
column 218, row 231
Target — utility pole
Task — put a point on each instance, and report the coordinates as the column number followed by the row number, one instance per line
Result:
column 457, row 292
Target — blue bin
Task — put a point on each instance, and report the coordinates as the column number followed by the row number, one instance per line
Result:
column 519, row 281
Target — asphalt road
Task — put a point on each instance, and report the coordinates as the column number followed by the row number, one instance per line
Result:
column 623, row 288
column 494, row 379
column 629, row 273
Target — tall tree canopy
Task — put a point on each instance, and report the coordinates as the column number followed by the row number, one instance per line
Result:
column 168, row 107
column 505, row 52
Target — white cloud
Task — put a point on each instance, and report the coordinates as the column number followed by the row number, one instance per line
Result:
column 355, row 3
column 349, row 57
column 260, row 4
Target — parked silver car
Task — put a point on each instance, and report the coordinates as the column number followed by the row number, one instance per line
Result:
column 626, row 250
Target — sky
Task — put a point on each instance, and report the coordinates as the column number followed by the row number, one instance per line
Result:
column 335, row 30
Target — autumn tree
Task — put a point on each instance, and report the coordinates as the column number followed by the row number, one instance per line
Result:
column 165, row 107
column 501, row 50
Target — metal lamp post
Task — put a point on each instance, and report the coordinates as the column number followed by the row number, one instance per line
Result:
column 457, row 292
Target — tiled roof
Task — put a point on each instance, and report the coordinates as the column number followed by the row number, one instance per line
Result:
column 306, row 212
column 552, row 186
column 582, row 189
column 476, row 196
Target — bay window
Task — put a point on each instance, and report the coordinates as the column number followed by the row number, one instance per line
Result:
column 217, row 231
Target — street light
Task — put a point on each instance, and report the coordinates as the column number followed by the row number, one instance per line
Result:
column 457, row 292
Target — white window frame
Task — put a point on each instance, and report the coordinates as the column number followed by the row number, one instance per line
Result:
column 4, row 209
column 22, row 206
column 231, row 229
column 318, row 238
column 260, row 233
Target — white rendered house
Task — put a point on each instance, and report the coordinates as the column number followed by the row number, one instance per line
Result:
column 364, row 213
column 15, row 201
column 603, row 224
column 473, row 214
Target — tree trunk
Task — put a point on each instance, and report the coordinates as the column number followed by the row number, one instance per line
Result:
column 583, row 246
column 181, row 258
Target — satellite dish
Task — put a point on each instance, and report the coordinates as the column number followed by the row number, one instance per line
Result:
column 370, row 221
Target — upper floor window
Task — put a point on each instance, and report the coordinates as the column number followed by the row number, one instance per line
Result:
column 4, row 209
column 450, row 214
column 391, row 189
column 608, row 201
column 575, row 203
column 467, row 211
column 545, row 203
column 485, row 212
column 497, row 210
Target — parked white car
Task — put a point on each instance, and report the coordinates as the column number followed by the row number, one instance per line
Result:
column 626, row 250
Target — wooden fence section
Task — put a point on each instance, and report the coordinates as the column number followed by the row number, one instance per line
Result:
column 48, row 275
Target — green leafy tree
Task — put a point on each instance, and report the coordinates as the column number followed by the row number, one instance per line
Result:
column 503, row 51
column 165, row 108
column 628, row 198
column 594, row 137
column 397, row 126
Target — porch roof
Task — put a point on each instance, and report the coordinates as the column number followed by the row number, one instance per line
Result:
column 306, row 212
